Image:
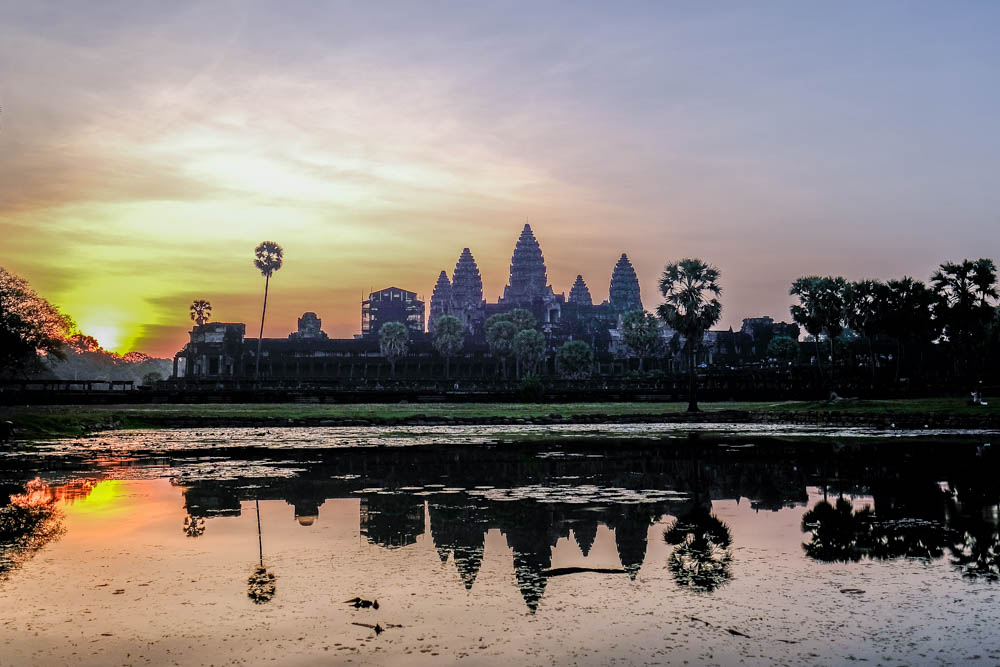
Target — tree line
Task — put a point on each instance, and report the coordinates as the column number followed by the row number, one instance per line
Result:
column 955, row 316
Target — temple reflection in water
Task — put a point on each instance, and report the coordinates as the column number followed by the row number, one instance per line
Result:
column 535, row 497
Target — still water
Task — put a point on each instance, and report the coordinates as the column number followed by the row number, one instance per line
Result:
column 243, row 547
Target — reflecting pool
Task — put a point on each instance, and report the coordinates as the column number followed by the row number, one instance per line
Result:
column 183, row 547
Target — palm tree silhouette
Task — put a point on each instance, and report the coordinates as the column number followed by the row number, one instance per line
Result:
column 194, row 526
column 260, row 586
column 965, row 293
column 201, row 311
column 838, row 532
column 689, row 288
column 393, row 343
column 268, row 259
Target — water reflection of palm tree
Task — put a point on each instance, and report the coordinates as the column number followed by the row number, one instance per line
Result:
column 194, row 526
column 976, row 553
column 260, row 586
column 701, row 559
column 841, row 534
column 838, row 532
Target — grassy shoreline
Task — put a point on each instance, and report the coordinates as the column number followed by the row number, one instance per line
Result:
column 34, row 422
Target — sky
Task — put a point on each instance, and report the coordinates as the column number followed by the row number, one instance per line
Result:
column 146, row 148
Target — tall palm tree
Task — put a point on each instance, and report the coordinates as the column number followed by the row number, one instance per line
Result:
column 820, row 308
column 267, row 258
column 965, row 292
column 529, row 350
column 449, row 337
column 393, row 340
column 690, row 289
column 909, row 310
column 201, row 311
column 641, row 335
column 260, row 585
column 500, row 332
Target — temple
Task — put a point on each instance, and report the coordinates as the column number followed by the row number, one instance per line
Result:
column 467, row 293
column 623, row 294
column 221, row 350
column 579, row 295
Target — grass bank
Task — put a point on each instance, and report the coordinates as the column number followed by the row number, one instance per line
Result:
column 76, row 420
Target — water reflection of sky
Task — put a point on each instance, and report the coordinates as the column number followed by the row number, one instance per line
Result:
column 562, row 559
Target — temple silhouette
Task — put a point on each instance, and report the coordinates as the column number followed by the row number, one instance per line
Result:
column 221, row 350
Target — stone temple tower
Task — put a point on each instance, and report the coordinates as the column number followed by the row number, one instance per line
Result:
column 440, row 300
column 528, row 280
column 580, row 294
column 624, row 291
column 467, row 292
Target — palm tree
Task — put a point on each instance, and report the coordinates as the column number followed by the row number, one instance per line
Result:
column 909, row 315
column 689, row 288
column 449, row 337
column 864, row 312
column 641, row 335
column 393, row 339
column 500, row 332
column 201, row 311
column 267, row 258
column 529, row 350
column 820, row 308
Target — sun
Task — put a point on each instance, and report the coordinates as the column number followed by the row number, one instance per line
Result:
column 109, row 337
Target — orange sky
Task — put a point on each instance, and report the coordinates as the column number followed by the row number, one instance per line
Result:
column 145, row 151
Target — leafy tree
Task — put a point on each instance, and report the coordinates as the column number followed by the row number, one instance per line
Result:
column 641, row 335
column 575, row 360
column 449, row 337
column 393, row 339
column 909, row 315
column 501, row 330
column 500, row 337
column 690, row 289
column 268, row 258
column 529, row 350
column 80, row 343
column 201, row 311
column 783, row 348
column 522, row 319
column 964, row 295
column 149, row 379
column 820, row 308
column 29, row 325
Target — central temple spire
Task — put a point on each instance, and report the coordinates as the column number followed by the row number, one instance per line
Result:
column 528, row 278
column 624, row 290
